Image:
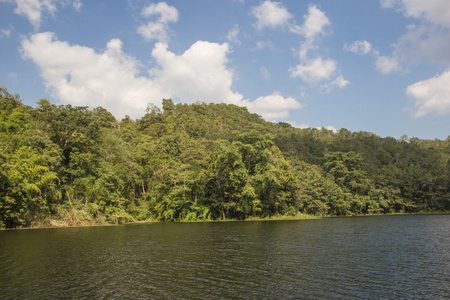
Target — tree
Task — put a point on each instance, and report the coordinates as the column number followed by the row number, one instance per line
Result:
column 27, row 185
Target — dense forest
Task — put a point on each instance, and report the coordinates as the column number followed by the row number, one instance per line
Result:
column 65, row 165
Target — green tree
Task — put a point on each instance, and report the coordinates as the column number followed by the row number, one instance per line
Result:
column 27, row 184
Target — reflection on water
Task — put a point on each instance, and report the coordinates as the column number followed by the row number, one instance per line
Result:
column 365, row 257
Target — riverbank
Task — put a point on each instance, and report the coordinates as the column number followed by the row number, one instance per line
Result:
column 90, row 223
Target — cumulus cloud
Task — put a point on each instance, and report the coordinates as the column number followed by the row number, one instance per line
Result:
column 166, row 13
column 110, row 78
column 359, row 47
column 431, row 95
column 339, row 82
column 331, row 128
column 80, row 76
column 314, row 70
column 388, row 65
column 200, row 73
column 424, row 42
column 275, row 14
column 158, row 29
column 306, row 47
column 314, row 24
column 77, row 5
column 271, row 14
column 426, row 39
column 306, row 126
column 233, row 34
column 33, row 9
column 273, row 107
column 385, row 64
column 434, row 11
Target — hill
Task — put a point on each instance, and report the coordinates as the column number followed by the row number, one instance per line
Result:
column 65, row 165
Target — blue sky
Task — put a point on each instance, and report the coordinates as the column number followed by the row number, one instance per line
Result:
column 378, row 66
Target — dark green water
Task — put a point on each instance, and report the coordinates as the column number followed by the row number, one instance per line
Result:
column 390, row 257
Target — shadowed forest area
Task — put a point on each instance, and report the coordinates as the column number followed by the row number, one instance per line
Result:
column 66, row 165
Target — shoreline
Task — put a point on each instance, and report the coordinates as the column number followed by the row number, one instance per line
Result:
column 297, row 217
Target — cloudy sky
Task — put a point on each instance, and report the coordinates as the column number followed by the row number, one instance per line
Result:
column 379, row 66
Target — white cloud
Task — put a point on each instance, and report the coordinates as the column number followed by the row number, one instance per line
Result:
column 154, row 31
column 359, row 47
column 5, row 32
column 271, row 14
column 305, row 47
column 314, row 24
column 80, row 76
column 424, row 42
column 339, row 82
column 274, row 14
column 264, row 73
column 265, row 44
column 301, row 126
column 158, row 30
column 314, row 70
column 77, row 5
column 33, row 9
column 329, row 128
column 388, row 65
column 166, row 13
column 273, row 107
column 200, row 73
column 434, row 11
column 427, row 39
column 387, row 3
column 110, row 78
column 233, row 34
column 431, row 95
column 306, row 126
column 385, row 64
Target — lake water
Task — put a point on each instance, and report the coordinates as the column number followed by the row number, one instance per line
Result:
column 390, row 257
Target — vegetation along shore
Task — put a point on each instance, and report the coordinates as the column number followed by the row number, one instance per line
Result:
column 70, row 166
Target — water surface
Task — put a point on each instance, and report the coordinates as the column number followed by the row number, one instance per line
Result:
column 389, row 257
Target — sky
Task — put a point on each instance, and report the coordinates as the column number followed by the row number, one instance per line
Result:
column 381, row 66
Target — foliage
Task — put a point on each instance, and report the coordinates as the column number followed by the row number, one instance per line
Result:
column 73, row 166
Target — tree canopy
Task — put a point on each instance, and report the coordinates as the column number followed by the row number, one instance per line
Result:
column 69, row 165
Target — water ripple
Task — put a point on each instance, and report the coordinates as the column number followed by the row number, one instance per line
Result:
column 350, row 258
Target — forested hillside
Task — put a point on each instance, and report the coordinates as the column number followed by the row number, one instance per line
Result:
column 66, row 165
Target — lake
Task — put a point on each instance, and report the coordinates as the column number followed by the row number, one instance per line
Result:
column 389, row 257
